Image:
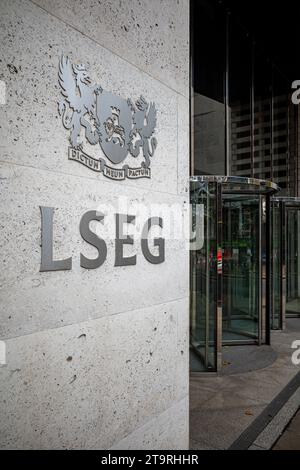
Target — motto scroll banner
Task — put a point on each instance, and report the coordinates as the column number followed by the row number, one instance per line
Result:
column 99, row 166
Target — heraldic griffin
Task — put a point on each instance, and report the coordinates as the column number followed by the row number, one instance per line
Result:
column 79, row 101
column 144, row 122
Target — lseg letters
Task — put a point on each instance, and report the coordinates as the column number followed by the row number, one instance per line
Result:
column 49, row 264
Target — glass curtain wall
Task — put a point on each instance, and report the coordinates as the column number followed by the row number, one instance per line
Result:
column 239, row 111
column 208, row 103
column 243, row 122
column 262, row 116
column 280, row 131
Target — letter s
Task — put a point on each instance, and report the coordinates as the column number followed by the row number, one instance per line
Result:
column 93, row 240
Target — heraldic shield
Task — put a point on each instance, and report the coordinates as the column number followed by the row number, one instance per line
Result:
column 114, row 118
column 121, row 127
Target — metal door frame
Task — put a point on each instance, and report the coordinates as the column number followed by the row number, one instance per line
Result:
column 285, row 203
column 288, row 206
column 218, row 313
column 262, row 267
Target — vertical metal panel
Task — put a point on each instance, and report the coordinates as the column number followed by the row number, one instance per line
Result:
column 283, row 266
column 260, row 276
column 268, row 290
column 227, row 114
column 252, row 110
column 288, row 152
column 191, row 92
column 271, row 125
column 297, row 153
column 207, row 279
column 272, row 207
column 219, row 276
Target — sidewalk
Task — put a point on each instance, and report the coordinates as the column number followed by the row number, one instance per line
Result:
column 290, row 439
column 222, row 407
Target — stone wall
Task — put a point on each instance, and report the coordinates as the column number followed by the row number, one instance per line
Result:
column 95, row 359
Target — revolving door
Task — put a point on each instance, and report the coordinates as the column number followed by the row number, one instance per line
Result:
column 229, row 266
column 285, row 260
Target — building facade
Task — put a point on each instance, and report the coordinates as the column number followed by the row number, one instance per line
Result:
column 95, row 358
column 118, row 120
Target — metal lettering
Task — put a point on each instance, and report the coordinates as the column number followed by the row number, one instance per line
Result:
column 160, row 242
column 47, row 261
column 93, row 240
column 121, row 240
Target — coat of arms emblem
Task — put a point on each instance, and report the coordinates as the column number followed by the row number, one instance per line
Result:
column 120, row 128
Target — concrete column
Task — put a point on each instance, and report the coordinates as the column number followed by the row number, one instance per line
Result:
column 96, row 359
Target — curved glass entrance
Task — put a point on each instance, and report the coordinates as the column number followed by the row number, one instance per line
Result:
column 286, row 260
column 229, row 266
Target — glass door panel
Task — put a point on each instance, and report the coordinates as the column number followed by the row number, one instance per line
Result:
column 276, row 271
column 293, row 262
column 203, row 278
column 241, row 268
